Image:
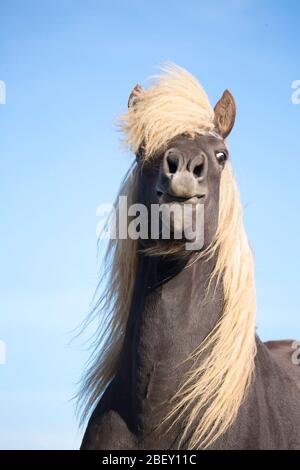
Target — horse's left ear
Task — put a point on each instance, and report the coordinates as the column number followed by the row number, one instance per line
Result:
column 225, row 111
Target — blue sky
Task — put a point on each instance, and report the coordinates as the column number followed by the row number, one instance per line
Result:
column 69, row 66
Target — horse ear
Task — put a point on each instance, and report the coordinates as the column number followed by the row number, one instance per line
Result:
column 133, row 97
column 225, row 111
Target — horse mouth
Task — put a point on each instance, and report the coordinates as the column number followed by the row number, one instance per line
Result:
column 167, row 198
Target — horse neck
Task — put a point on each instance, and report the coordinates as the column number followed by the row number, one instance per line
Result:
column 172, row 312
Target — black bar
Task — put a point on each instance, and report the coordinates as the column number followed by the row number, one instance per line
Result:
column 133, row 459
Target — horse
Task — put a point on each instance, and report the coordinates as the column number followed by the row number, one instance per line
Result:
column 177, row 363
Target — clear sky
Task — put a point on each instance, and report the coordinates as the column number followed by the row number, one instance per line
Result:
column 69, row 66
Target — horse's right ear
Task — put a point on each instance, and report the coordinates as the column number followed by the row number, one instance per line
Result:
column 133, row 97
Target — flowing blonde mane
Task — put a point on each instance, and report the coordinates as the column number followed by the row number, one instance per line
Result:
column 221, row 367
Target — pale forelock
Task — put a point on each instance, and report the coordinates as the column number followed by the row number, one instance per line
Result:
column 174, row 104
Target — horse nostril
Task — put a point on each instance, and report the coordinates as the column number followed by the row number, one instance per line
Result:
column 172, row 164
column 198, row 170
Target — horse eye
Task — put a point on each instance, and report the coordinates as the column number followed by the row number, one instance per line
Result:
column 221, row 157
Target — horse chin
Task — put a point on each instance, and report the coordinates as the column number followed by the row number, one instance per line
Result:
column 179, row 227
column 181, row 221
column 178, row 231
